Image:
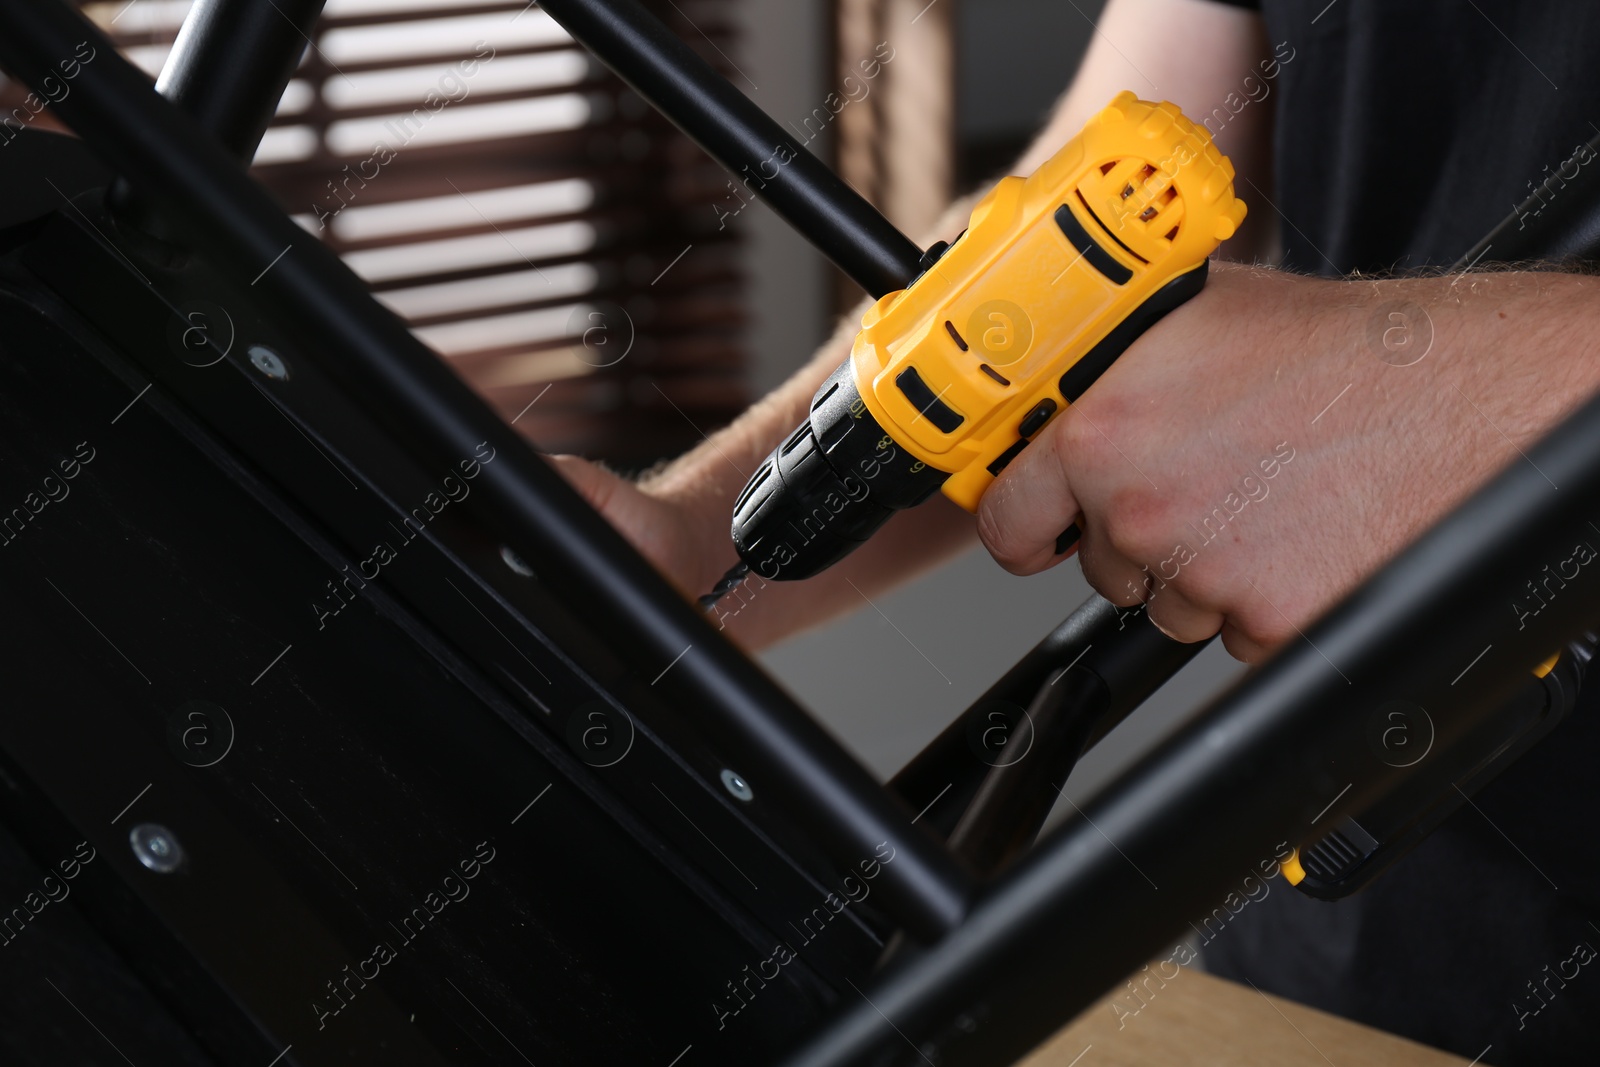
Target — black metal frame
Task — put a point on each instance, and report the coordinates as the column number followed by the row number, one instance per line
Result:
column 999, row 956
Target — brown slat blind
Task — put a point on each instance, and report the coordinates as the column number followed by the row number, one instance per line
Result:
column 523, row 210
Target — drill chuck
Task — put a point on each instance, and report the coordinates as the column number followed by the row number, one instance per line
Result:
column 827, row 488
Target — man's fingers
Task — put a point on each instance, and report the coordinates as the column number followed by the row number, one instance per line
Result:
column 1111, row 574
column 1181, row 619
column 1029, row 508
column 1242, row 647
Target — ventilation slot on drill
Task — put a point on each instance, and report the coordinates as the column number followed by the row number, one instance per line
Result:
column 1107, row 230
column 1158, row 203
column 1162, row 201
column 1145, row 174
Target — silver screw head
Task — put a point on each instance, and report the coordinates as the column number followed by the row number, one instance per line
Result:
column 737, row 786
column 156, row 847
column 517, row 564
column 269, row 363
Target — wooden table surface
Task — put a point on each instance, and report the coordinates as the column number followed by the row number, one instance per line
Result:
column 1196, row 1020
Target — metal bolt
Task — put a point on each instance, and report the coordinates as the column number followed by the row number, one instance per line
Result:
column 156, row 847
column 737, row 786
column 269, row 363
column 515, row 562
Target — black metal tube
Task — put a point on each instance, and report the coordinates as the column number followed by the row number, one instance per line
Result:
column 1120, row 646
column 1016, row 795
column 227, row 69
column 230, row 63
column 739, row 135
column 409, row 391
column 1439, row 626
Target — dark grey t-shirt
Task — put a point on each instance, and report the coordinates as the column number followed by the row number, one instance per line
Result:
column 1404, row 131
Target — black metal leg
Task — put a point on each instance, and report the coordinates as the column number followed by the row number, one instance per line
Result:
column 1119, row 647
column 410, row 392
column 760, row 153
column 230, row 63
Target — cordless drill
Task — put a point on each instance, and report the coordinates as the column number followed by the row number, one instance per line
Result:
column 951, row 377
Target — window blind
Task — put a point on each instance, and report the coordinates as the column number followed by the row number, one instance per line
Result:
column 525, row 212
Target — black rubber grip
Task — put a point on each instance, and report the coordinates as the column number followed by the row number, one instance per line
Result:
column 1098, row 257
column 1084, row 373
column 923, row 399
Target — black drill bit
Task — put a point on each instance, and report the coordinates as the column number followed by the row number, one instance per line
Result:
column 735, row 575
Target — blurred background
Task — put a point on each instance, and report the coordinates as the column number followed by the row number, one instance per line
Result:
column 608, row 288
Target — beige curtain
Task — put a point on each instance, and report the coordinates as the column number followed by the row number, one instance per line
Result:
column 897, row 143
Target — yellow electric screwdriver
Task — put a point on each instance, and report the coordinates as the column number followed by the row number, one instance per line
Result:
column 951, row 377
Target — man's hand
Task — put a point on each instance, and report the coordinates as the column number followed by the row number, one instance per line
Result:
column 678, row 517
column 1272, row 442
column 680, row 537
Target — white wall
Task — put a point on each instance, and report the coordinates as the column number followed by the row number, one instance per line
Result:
column 786, row 53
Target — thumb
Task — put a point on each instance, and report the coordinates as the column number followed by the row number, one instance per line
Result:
column 593, row 482
column 661, row 531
